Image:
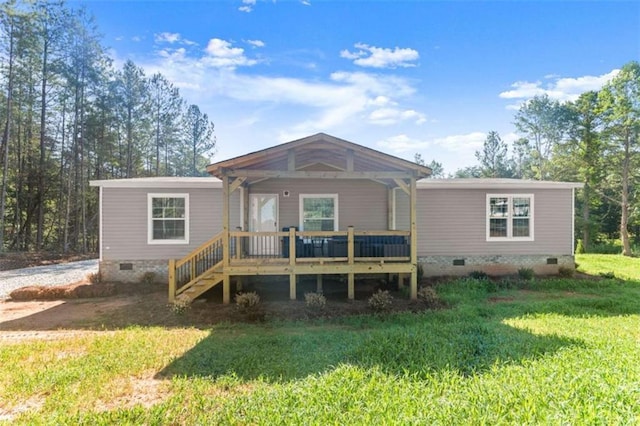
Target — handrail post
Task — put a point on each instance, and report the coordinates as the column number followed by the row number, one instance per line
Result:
column 172, row 280
column 292, row 263
column 350, row 255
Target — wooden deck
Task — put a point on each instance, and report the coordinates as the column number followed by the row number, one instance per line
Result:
column 238, row 254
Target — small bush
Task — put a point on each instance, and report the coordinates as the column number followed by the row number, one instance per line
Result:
column 315, row 300
column 580, row 247
column 249, row 305
column 148, row 278
column 526, row 274
column 478, row 275
column 420, row 272
column 95, row 277
column 609, row 275
column 565, row 272
column 381, row 301
column 428, row 295
column 490, row 285
column 179, row 307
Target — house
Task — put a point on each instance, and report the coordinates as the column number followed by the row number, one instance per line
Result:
column 322, row 205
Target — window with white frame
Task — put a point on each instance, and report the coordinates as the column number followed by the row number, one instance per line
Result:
column 168, row 218
column 509, row 217
column 319, row 212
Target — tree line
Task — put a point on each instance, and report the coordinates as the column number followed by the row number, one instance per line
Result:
column 69, row 115
column 593, row 140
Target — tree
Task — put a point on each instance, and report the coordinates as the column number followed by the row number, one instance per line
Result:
column 619, row 103
column 166, row 108
column 493, row 159
column 543, row 122
column 437, row 171
column 199, row 140
column 581, row 159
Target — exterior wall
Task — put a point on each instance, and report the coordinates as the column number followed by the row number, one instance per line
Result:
column 401, row 210
column 361, row 203
column 452, row 222
column 125, row 224
column 495, row 265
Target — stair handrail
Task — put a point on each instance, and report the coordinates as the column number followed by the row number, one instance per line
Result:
column 185, row 272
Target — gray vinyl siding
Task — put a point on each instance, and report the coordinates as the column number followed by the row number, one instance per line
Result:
column 403, row 220
column 125, row 221
column 453, row 222
column 361, row 203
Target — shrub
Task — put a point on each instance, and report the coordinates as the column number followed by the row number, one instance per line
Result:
column 565, row 272
column 381, row 301
column 420, row 272
column 179, row 307
column 148, row 278
column 526, row 274
column 609, row 275
column 247, row 301
column 580, row 247
column 478, row 275
column 315, row 300
column 249, row 305
column 95, row 277
column 428, row 295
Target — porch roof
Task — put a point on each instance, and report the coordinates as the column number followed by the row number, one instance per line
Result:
column 318, row 156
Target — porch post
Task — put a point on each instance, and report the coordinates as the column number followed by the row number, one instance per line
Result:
column 172, row 280
column 226, row 280
column 414, row 240
column 292, row 263
column 350, row 254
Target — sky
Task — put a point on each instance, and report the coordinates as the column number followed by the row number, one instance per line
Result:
column 401, row 77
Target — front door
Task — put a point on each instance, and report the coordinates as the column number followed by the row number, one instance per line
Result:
column 263, row 217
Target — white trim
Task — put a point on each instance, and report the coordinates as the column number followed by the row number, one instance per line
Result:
column 494, row 184
column 150, row 197
column 242, row 207
column 509, row 218
column 573, row 222
column 100, row 224
column 160, row 182
column 336, row 211
column 394, row 210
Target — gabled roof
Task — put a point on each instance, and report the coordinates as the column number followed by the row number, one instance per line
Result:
column 335, row 153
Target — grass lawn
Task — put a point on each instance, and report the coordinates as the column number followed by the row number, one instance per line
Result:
column 554, row 351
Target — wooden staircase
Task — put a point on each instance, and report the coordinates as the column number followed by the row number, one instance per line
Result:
column 197, row 272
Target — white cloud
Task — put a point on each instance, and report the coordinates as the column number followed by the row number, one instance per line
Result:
column 256, row 43
column 378, row 57
column 136, row 39
column 562, row 89
column 247, row 6
column 166, row 37
column 403, row 144
column 466, row 143
column 305, row 2
column 388, row 116
column 221, row 54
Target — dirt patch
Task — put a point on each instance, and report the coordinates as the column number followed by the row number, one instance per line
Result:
column 144, row 305
column 28, row 259
column 132, row 391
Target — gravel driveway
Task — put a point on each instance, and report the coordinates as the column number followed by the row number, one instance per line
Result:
column 48, row 275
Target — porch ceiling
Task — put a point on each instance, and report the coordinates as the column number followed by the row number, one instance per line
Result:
column 318, row 156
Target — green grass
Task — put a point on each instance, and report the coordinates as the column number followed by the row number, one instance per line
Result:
column 556, row 351
column 627, row 268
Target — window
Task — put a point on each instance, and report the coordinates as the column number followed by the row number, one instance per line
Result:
column 509, row 217
column 319, row 212
column 168, row 218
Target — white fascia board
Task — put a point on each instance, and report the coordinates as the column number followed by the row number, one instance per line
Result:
column 493, row 184
column 162, row 182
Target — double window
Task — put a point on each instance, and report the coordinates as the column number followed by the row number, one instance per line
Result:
column 168, row 218
column 319, row 212
column 509, row 217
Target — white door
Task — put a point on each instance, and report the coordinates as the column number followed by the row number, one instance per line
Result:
column 263, row 217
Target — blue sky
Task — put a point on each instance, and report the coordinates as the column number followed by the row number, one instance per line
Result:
column 403, row 77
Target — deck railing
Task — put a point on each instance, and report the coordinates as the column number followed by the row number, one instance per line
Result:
column 326, row 245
